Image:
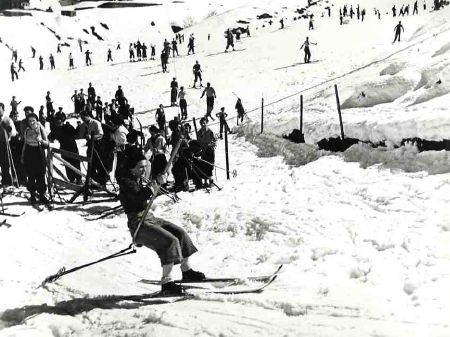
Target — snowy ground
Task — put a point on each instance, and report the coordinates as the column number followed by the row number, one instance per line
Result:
column 364, row 235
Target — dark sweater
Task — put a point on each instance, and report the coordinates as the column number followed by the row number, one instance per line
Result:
column 133, row 196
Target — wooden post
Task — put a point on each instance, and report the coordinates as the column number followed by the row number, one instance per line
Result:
column 195, row 127
column 226, row 150
column 262, row 115
column 301, row 115
column 339, row 111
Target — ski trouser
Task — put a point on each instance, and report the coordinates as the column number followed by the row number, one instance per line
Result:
column 35, row 166
column 173, row 95
column 168, row 240
column 183, row 108
column 307, row 55
column 209, row 104
column 4, row 164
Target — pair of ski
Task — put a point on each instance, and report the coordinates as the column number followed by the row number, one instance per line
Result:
column 40, row 206
column 263, row 280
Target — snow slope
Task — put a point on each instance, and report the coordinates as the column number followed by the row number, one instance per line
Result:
column 364, row 235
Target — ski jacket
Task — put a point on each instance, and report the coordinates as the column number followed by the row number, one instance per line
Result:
column 133, row 195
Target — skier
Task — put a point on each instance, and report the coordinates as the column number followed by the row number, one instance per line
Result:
column 160, row 118
column 71, row 61
column 58, row 48
column 341, row 19
column 87, row 54
column 282, row 24
column 173, row 92
column 311, row 22
column 394, row 11
column 14, row 105
column 207, row 141
column 164, row 61
column 20, row 66
column 157, row 145
column 99, row 109
column 166, row 47
column 49, row 103
column 144, row 52
column 41, row 63
column 398, row 30
column 33, row 158
column 80, row 44
column 240, row 109
column 131, row 52
column 66, row 134
column 118, row 46
column 248, row 30
column 33, row 51
column 230, row 40
column 172, row 244
column 13, row 72
column 76, row 101
column 52, row 62
column 7, row 130
column 197, row 73
column 91, row 94
column 153, row 51
column 182, row 102
column 174, row 48
column 191, row 44
column 109, row 56
column 305, row 45
column 210, row 96
column 14, row 55
column 223, row 121
column 416, row 8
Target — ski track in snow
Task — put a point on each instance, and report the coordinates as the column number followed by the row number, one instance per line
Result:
column 364, row 235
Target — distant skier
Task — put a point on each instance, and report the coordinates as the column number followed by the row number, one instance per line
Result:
column 240, row 110
column 131, row 52
column 210, row 96
column 58, row 48
column 109, row 55
column 49, row 104
column 305, row 47
column 398, row 30
column 160, row 118
column 41, row 63
column 20, row 66
column 341, row 19
column 152, row 52
column 416, row 8
column 191, row 44
column 174, row 48
column 164, row 61
column 52, row 61
column 248, row 30
column 230, row 40
column 282, row 24
column 91, row 94
column 71, row 61
column 33, row 51
column 118, row 46
column 173, row 92
column 197, row 73
column 394, row 11
column 166, row 47
column 14, row 104
column 183, row 103
column 80, row 44
column 223, row 121
column 87, row 54
column 144, row 52
column 14, row 55
column 311, row 22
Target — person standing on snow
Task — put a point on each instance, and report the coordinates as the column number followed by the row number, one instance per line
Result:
column 183, row 103
column 172, row 244
column 398, row 30
column 223, row 121
column 196, row 69
column 210, row 96
column 109, row 58
column 13, row 72
column 173, row 92
column 230, row 40
column 305, row 46
column 191, row 44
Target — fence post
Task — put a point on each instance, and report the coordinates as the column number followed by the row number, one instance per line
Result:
column 301, row 114
column 339, row 111
column 226, row 151
column 262, row 115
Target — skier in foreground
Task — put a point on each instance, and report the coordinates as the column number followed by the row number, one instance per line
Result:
column 172, row 244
